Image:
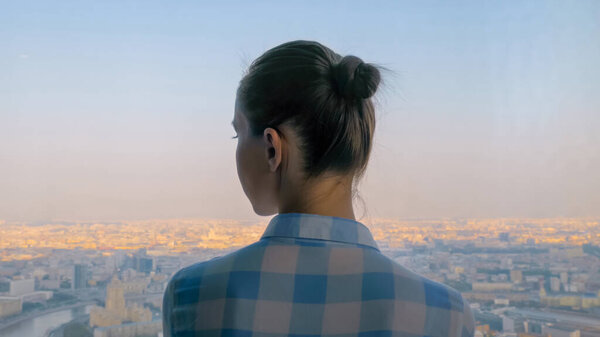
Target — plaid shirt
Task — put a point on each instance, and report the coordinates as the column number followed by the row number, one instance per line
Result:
column 311, row 275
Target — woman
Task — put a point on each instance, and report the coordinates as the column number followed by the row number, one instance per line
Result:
column 305, row 122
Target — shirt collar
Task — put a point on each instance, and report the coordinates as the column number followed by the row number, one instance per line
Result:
column 323, row 227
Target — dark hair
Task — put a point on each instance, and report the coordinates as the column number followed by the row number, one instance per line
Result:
column 325, row 97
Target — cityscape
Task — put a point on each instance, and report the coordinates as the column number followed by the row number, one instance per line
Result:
column 522, row 276
column 125, row 157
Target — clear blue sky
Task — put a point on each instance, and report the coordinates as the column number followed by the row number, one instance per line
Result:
column 121, row 109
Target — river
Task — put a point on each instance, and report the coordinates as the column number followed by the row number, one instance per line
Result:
column 38, row 326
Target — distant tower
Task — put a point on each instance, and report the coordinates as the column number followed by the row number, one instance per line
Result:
column 80, row 276
column 143, row 264
column 115, row 296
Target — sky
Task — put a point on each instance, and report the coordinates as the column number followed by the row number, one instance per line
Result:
column 121, row 109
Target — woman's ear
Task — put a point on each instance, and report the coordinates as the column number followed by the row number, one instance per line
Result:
column 274, row 148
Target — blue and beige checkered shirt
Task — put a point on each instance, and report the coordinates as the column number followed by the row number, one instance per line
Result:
column 311, row 275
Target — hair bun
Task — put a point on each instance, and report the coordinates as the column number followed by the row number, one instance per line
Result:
column 354, row 78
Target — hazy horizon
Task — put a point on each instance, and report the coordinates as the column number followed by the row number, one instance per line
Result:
column 117, row 110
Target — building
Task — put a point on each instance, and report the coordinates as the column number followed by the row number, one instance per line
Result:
column 516, row 276
column 10, row 306
column 512, row 324
column 502, row 301
column 560, row 332
column 555, row 284
column 37, row 296
column 80, row 276
column 135, row 286
column 15, row 288
column 578, row 301
column 564, row 277
column 115, row 311
column 491, row 286
column 50, row 284
column 151, row 328
column 144, row 265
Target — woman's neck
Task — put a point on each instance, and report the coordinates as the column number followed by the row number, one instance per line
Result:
column 327, row 196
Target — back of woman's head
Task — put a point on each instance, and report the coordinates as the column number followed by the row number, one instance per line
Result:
column 324, row 96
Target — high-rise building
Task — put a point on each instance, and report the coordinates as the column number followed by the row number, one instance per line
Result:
column 144, row 264
column 555, row 284
column 115, row 296
column 115, row 311
column 80, row 276
column 139, row 262
column 564, row 277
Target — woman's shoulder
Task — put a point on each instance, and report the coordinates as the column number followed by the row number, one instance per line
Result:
column 208, row 272
column 445, row 312
column 411, row 285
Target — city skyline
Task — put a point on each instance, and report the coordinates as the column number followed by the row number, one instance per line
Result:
column 121, row 111
column 27, row 242
column 521, row 277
